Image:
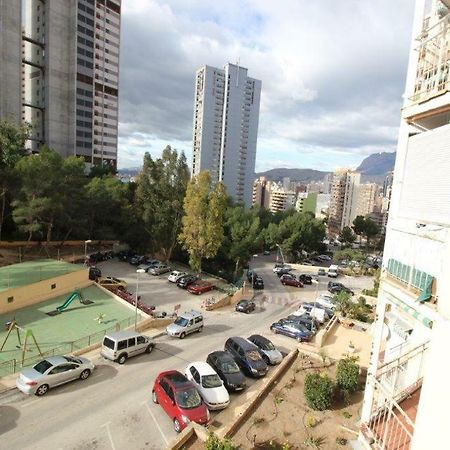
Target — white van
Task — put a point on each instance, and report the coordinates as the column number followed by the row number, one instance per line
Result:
column 186, row 323
column 121, row 345
column 317, row 313
column 333, row 271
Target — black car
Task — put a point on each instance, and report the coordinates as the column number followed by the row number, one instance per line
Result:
column 245, row 306
column 335, row 288
column 97, row 257
column 186, row 280
column 258, row 283
column 247, row 356
column 125, row 255
column 284, row 271
column 251, row 275
column 227, row 369
column 309, row 322
column 305, row 279
column 295, row 330
column 94, row 273
column 137, row 260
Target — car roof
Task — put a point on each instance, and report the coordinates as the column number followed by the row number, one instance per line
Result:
column 55, row 360
column 190, row 314
column 203, row 368
column 221, row 355
column 123, row 334
column 259, row 338
column 177, row 379
column 242, row 342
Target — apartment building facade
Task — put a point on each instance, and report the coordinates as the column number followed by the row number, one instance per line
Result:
column 69, row 60
column 225, row 128
column 407, row 389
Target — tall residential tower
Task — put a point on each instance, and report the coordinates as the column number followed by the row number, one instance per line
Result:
column 226, row 114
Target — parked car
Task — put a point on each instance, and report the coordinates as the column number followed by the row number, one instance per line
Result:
column 283, row 271
column 97, row 257
column 245, row 306
column 137, row 259
column 335, row 288
column 266, row 252
column 326, row 301
column 94, row 273
column 321, row 272
column 247, row 356
column 258, row 283
column 111, row 282
column 308, row 262
column 267, row 350
column 324, row 258
column 305, row 319
column 186, row 323
column 251, row 274
column 175, row 276
column 124, row 255
column 305, row 278
column 208, row 384
column 152, row 261
column 292, row 329
column 121, row 345
column 227, row 369
column 318, row 313
column 159, row 269
column 290, row 281
column 199, row 287
column 333, row 271
column 179, row 399
column 281, row 267
column 186, row 280
column 52, row 372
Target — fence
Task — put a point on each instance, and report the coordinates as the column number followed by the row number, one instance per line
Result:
column 15, row 365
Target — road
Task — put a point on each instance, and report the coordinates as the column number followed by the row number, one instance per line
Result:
column 113, row 408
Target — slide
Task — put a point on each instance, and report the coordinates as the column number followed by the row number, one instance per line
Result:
column 67, row 302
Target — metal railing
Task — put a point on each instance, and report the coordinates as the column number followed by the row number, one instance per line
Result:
column 15, row 365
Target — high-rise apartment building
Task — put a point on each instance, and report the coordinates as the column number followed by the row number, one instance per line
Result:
column 69, row 58
column 407, row 389
column 226, row 115
column 261, row 192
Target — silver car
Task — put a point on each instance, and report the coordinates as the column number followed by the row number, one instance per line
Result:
column 159, row 269
column 266, row 349
column 53, row 371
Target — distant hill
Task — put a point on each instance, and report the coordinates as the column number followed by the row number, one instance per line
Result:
column 130, row 172
column 300, row 175
column 375, row 167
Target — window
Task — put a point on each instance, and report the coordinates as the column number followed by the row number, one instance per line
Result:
column 131, row 342
column 121, row 345
column 198, row 319
column 141, row 340
column 42, row 366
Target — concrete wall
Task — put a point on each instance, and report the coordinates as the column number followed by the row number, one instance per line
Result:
column 38, row 292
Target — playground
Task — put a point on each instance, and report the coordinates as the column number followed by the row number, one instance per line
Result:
column 22, row 274
column 60, row 325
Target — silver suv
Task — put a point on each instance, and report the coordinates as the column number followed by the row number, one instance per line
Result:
column 188, row 322
column 121, row 345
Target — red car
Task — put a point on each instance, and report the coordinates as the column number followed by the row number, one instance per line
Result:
column 290, row 280
column 180, row 399
column 199, row 287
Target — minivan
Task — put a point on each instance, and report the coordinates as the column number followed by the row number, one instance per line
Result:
column 333, row 271
column 247, row 356
column 186, row 323
column 121, row 345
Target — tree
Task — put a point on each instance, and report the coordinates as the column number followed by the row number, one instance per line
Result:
column 347, row 237
column 202, row 225
column 344, row 303
column 12, row 149
column 359, row 226
column 213, row 442
column 347, row 374
column 160, row 193
column 318, row 391
column 371, row 229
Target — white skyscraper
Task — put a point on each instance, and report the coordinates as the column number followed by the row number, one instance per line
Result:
column 226, row 114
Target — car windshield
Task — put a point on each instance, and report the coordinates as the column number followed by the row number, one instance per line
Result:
column 107, row 342
column 253, row 355
column 267, row 345
column 181, row 321
column 71, row 359
column 188, row 399
column 42, row 366
column 211, row 381
column 229, row 366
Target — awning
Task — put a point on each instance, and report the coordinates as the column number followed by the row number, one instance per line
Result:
column 426, row 292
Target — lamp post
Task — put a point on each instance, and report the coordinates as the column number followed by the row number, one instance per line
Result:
column 281, row 253
column 137, row 296
column 85, row 248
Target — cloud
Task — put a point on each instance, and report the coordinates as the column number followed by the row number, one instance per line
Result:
column 332, row 73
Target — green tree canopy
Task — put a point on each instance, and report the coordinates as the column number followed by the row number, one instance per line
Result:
column 202, row 225
column 346, row 236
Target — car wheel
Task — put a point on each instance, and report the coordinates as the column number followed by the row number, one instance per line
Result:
column 42, row 390
column 200, row 329
column 274, row 330
column 122, row 358
column 299, row 339
column 176, row 425
column 266, row 359
column 182, row 335
column 154, row 397
column 149, row 348
column 85, row 374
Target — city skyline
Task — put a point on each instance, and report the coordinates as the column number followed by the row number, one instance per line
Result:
column 317, row 110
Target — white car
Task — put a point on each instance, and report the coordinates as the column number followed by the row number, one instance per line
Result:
column 208, row 384
column 326, row 301
column 175, row 275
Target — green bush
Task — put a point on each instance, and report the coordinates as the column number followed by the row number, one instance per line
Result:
column 318, row 391
column 347, row 374
column 215, row 443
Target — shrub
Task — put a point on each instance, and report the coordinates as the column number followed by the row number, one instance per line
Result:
column 347, row 374
column 215, row 443
column 318, row 391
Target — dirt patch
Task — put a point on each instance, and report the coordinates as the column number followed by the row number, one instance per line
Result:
column 284, row 418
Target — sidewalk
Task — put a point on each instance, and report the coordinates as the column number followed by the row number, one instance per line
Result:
column 8, row 382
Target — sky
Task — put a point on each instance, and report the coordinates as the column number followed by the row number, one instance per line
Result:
column 333, row 74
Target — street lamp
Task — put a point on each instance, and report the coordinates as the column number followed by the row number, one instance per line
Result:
column 281, row 253
column 85, row 248
column 137, row 296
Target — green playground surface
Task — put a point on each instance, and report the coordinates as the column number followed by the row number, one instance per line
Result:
column 17, row 275
column 74, row 328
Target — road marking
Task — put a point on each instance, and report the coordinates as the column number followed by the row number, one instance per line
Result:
column 106, row 425
column 156, row 422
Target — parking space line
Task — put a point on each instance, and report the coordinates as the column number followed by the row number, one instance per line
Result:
column 156, row 422
column 108, row 431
